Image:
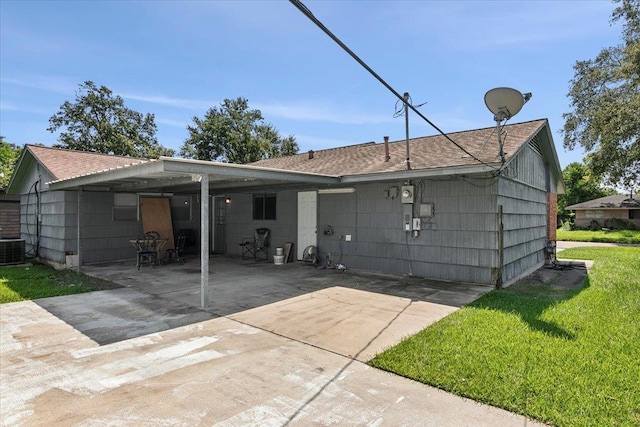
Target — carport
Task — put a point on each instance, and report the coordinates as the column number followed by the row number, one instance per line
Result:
column 170, row 174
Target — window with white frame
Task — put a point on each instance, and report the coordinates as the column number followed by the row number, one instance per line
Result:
column 264, row 206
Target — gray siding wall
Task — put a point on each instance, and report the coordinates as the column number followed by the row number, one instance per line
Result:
column 459, row 243
column 240, row 222
column 524, row 202
column 103, row 239
column 52, row 229
column 528, row 167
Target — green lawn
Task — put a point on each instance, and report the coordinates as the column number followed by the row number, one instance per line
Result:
column 39, row 281
column 616, row 236
column 565, row 357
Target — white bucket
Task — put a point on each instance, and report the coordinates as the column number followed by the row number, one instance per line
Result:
column 278, row 259
column 279, row 251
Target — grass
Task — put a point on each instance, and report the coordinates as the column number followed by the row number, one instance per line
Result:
column 39, row 281
column 567, row 357
column 616, row 236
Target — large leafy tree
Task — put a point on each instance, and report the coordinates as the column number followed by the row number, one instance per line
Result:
column 605, row 102
column 9, row 154
column 580, row 186
column 235, row 133
column 98, row 121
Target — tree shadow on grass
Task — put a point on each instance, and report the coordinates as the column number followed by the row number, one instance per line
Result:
column 532, row 296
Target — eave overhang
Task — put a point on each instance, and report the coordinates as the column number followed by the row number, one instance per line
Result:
column 169, row 172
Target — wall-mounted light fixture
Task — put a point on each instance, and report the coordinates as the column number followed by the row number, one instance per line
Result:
column 227, row 200
column 336, row 190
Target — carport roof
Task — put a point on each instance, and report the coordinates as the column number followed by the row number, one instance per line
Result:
column 171, row 173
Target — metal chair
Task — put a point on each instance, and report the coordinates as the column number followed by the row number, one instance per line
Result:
column 147, row 249
column 257, row 246
column 177, row 254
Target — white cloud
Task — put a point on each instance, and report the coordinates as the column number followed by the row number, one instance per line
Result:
column 170, row 122
column 322, row 113
column 45, row 83
column 189, row 104
column 7, row 106
column 469, row 25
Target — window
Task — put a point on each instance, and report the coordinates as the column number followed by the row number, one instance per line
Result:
column 264, row 206
column 634, row 214
column 594, row 214
column 125, row 207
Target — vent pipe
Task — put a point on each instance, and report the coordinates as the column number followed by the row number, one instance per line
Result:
column 310, row 154
column 387, row 157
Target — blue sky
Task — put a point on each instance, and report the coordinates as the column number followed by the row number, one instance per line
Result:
column 178, row 59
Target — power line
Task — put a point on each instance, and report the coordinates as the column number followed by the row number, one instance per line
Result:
column 305, row 10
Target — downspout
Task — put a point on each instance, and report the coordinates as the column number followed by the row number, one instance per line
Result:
column 500, row 249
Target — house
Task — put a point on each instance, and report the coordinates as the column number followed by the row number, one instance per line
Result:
column 453, row 215
column 617, row 211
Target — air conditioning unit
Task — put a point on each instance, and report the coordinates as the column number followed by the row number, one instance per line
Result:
column 11, row 251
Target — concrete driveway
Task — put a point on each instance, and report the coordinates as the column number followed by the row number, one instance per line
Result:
column 295, row 360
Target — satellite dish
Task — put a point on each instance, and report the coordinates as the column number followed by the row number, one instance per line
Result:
column 505, row 102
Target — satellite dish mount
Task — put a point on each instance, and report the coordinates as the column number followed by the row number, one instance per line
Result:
column 504, row 103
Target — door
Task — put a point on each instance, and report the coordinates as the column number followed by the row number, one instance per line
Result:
column 219, row 225
column 307, row 220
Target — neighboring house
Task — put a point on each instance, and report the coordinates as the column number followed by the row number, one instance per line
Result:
column 9, row 215
column 610, row 212
column 449, row 217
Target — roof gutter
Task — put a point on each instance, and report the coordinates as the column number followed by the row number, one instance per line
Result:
column 420, row 173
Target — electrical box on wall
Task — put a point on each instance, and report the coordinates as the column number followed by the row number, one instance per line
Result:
column 426, row 209
column 416, row 224
column 407, row 194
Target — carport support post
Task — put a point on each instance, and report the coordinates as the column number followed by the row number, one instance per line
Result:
column 79, row 231
column 204, row 240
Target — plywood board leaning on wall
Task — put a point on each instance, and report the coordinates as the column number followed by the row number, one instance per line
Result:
column 156, row 216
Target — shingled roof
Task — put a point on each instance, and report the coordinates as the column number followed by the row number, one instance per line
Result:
column 616, row 201
column 429, row 152
column 63, row 164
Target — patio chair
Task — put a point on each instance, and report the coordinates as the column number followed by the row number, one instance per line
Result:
column 177, row 254
column 257, row 246
column 147, row 249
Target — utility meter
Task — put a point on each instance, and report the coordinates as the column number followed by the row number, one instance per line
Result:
column 407, row 194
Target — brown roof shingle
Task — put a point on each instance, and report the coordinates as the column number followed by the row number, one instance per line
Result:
column 616, row 201
column 63, row 164
column 426, row 152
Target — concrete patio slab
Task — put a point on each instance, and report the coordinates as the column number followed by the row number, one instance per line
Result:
column 119, row 314
column 215, row 372
column 351, row 322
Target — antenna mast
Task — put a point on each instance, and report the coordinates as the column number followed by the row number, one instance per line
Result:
column 406, row 127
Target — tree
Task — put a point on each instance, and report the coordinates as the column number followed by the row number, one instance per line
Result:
column 605, row 102
column 236, row 134
column 580, row 186
column 9, row 155
column 98, row 121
